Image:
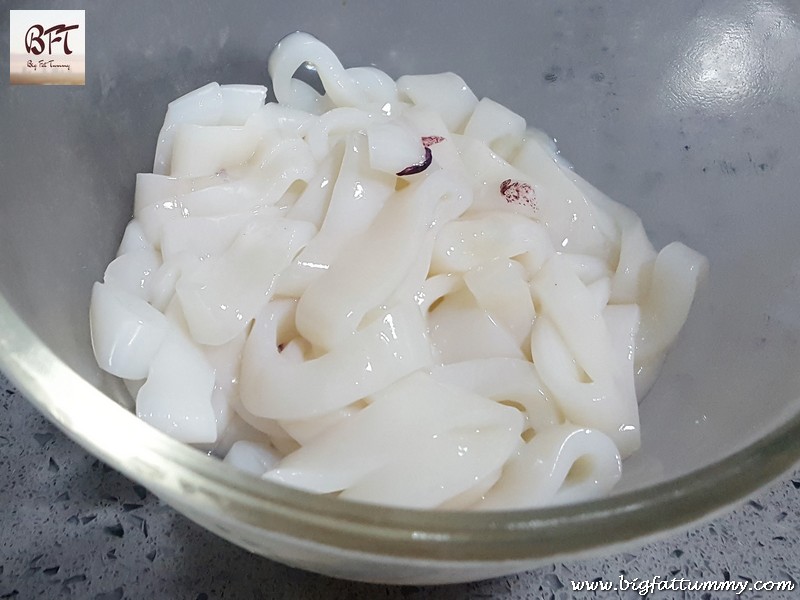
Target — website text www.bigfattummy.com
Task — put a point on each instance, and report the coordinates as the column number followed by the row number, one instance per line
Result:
column 679, row 584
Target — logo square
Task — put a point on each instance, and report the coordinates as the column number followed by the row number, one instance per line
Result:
column 47, row 47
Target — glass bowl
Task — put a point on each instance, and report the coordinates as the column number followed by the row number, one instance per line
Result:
column 686, row 111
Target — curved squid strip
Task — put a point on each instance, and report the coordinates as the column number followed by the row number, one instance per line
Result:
column 342, row 88
column 559, row 465
column 504, row 379
column 599, row 404
column 372, row 265
column 364, row 363
column 665, row 307
column 221, row 295
column 411, row 412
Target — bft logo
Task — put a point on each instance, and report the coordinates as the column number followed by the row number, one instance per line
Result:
column 35, row 41
column 47, row 47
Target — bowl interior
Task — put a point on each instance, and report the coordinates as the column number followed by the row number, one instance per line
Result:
column 685, row 111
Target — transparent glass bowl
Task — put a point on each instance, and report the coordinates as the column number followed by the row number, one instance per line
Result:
column 685, row 111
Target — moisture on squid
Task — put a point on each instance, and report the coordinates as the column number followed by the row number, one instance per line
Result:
column 393, row 291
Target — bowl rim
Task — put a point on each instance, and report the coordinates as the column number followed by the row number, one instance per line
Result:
column 172, row 469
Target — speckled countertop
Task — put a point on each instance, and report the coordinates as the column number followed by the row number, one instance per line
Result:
column 72, row 527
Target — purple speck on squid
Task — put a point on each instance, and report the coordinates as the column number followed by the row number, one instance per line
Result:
column 419, row 167
column 518, row 192
column 430, row 140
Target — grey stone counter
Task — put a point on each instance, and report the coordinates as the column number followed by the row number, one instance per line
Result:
column 72, row 527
